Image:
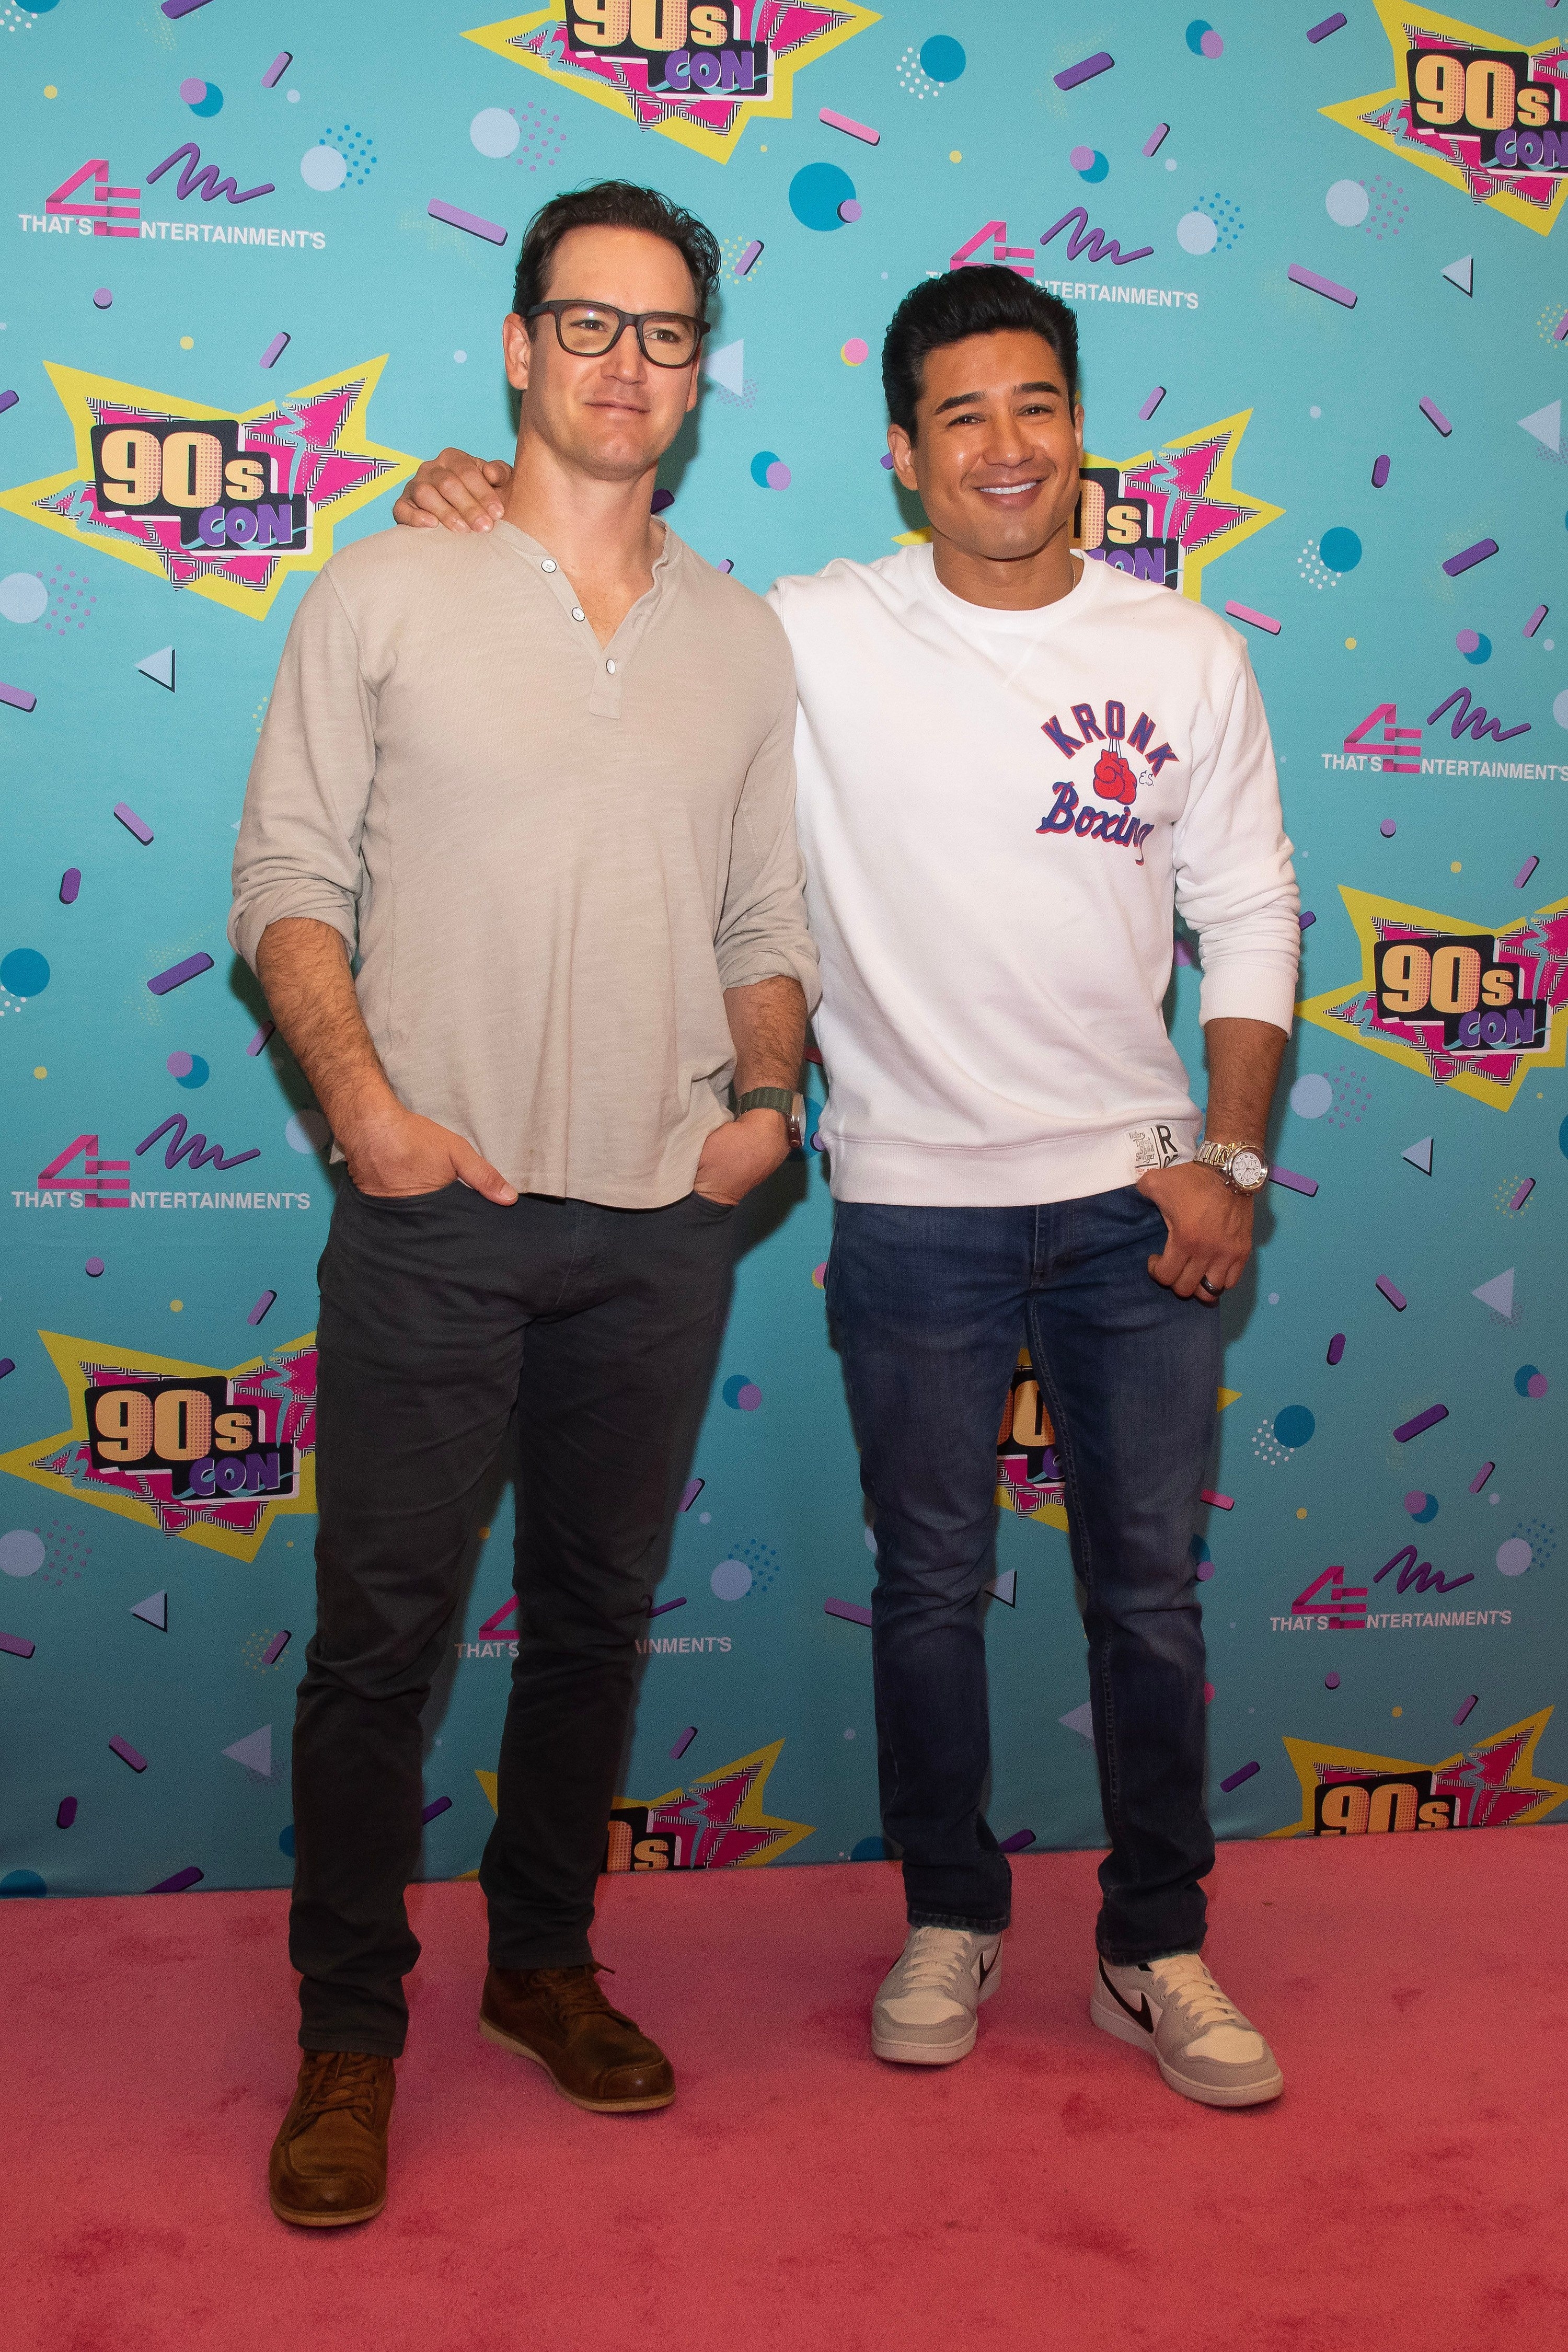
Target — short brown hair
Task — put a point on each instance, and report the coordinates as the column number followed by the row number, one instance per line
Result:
column 614, row 203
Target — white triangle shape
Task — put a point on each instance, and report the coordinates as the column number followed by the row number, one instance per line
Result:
column 1462, row 273
column 1420, row 1155
column 153, row 1611
column 1005, row 1587
column 160, row 667
column 254, row 1751
column 1497, row 1294
column 1546, row 425
column 726, row 367
column 1081, row 1720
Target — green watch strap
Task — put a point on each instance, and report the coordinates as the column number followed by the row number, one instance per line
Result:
column 769, row 1099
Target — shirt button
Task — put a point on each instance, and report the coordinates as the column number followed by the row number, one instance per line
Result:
column 576, row 612
column 548, row 564
column 610, row 667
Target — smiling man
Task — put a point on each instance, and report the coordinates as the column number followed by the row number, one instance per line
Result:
column 1013, row 764
column 494, row 770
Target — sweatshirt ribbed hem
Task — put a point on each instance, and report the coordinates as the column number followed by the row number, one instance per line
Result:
column 985, row 1176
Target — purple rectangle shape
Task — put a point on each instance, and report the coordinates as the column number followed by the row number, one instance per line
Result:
column 1152, row 145
column 1084, row 70
column 1428, row 1420
column 1334, row 24
column 1467, row 1707
column 15, row 1646
column 178, row 973
column 19, row 698
column 133, row 823
column 8, row 400
column 693, row 1488
column 275, row 1647
column 7, row 1365
column 683, row 1743
column 1535, row 620
column 179, row 1881
column 1469, row 556
column 261, row 1306
column 261, row 1037
column 665, row 1606
column 1306, row 919
column 1234, row 1780
column 1524, row 1194
column 1560, row 329
column 1016, row 1843
column 127, row 1753
column 1291, row 1181
column 1394, row 1297
column 183, row 7
column 851, row 1609
column 750, row 258
column 1525, row 871
column 66, row 1813
column 1434, row 415
column 276, row 70
column 437, row 1805
column 1328, row 285
column 275, row 350
column 1482, row 1474
column 1336, row 1347
column 455, row 217
column 1379, row 472
column 1151, row 404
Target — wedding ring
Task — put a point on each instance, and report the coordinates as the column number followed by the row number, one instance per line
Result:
column 1204, row 1284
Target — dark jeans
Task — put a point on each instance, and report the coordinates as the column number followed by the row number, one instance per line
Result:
column 929, row 1307
column 585, row 1337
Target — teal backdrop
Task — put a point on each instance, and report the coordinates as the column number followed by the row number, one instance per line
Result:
column 250, row 275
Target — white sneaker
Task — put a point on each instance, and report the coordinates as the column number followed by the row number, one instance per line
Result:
column 1200, row 2041
column 924, row 2013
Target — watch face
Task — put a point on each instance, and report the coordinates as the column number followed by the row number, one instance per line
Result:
column 1247, row 1171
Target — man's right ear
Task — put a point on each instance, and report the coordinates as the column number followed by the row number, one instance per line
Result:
column 517, row 346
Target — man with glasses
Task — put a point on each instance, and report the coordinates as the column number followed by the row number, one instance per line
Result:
column 524, row 897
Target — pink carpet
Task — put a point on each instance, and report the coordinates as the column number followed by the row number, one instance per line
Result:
column 1407, row 2194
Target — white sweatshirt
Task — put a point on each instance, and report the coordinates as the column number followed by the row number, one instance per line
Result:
column 997, row 810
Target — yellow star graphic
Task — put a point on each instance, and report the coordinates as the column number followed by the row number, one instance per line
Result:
column 1383, row 115
column 527, row 41
column 1190, row 495
column 1351, row 1012
column 316, row 436
column 286, row 1375
column 1491, row 1784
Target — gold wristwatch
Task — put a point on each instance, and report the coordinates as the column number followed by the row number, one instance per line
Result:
column 1242, row 1165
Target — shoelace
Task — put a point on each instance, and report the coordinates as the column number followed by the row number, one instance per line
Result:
column 350, row 2080
column 936, row 1958
column 1188, row 1979
column 575, row 1992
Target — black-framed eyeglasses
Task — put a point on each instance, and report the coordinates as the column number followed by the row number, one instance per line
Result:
column 588, row 330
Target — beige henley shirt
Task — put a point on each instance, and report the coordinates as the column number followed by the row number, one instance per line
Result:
column 551, row 856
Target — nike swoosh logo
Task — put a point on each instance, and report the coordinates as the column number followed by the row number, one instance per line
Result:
column 987, row 1967
column 1140, row 2015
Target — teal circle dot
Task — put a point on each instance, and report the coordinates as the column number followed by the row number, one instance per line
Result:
column 1562, row 1138
column 1340, row 549
column 211, row 104
column 286, row 1840
column 24, row 972
column 1293, row 1426
column 1480, row 651
column 760, row 464
column 1195, row 31
column 22, row 1882
column 871, row 1849
column 816, row 194
column 943, row 58
column 1529, row 1380
column 197, row 1075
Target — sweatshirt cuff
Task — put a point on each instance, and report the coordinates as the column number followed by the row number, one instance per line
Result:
column 1250, row 989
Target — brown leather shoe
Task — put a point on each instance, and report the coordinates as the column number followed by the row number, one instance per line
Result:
column 328, row 2165
column 595, row 2055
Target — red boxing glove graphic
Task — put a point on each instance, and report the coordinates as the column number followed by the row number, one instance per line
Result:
column 1114, row 779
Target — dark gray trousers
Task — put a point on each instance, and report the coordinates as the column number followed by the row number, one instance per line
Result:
column 450, row 1328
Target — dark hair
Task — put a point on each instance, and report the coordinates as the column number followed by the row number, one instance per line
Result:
column 948, row 310
column 613, row 203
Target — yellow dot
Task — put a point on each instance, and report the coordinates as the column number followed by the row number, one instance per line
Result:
column 40, row 1072
column 761, row 150
column 954, row 155
column 1398, row 1710
column 187, row 342
column 484, row 1532
column 176, row 1306
column 1350, row 644
column 1455, row 866
column 1301, row 1515
column 49, row 90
